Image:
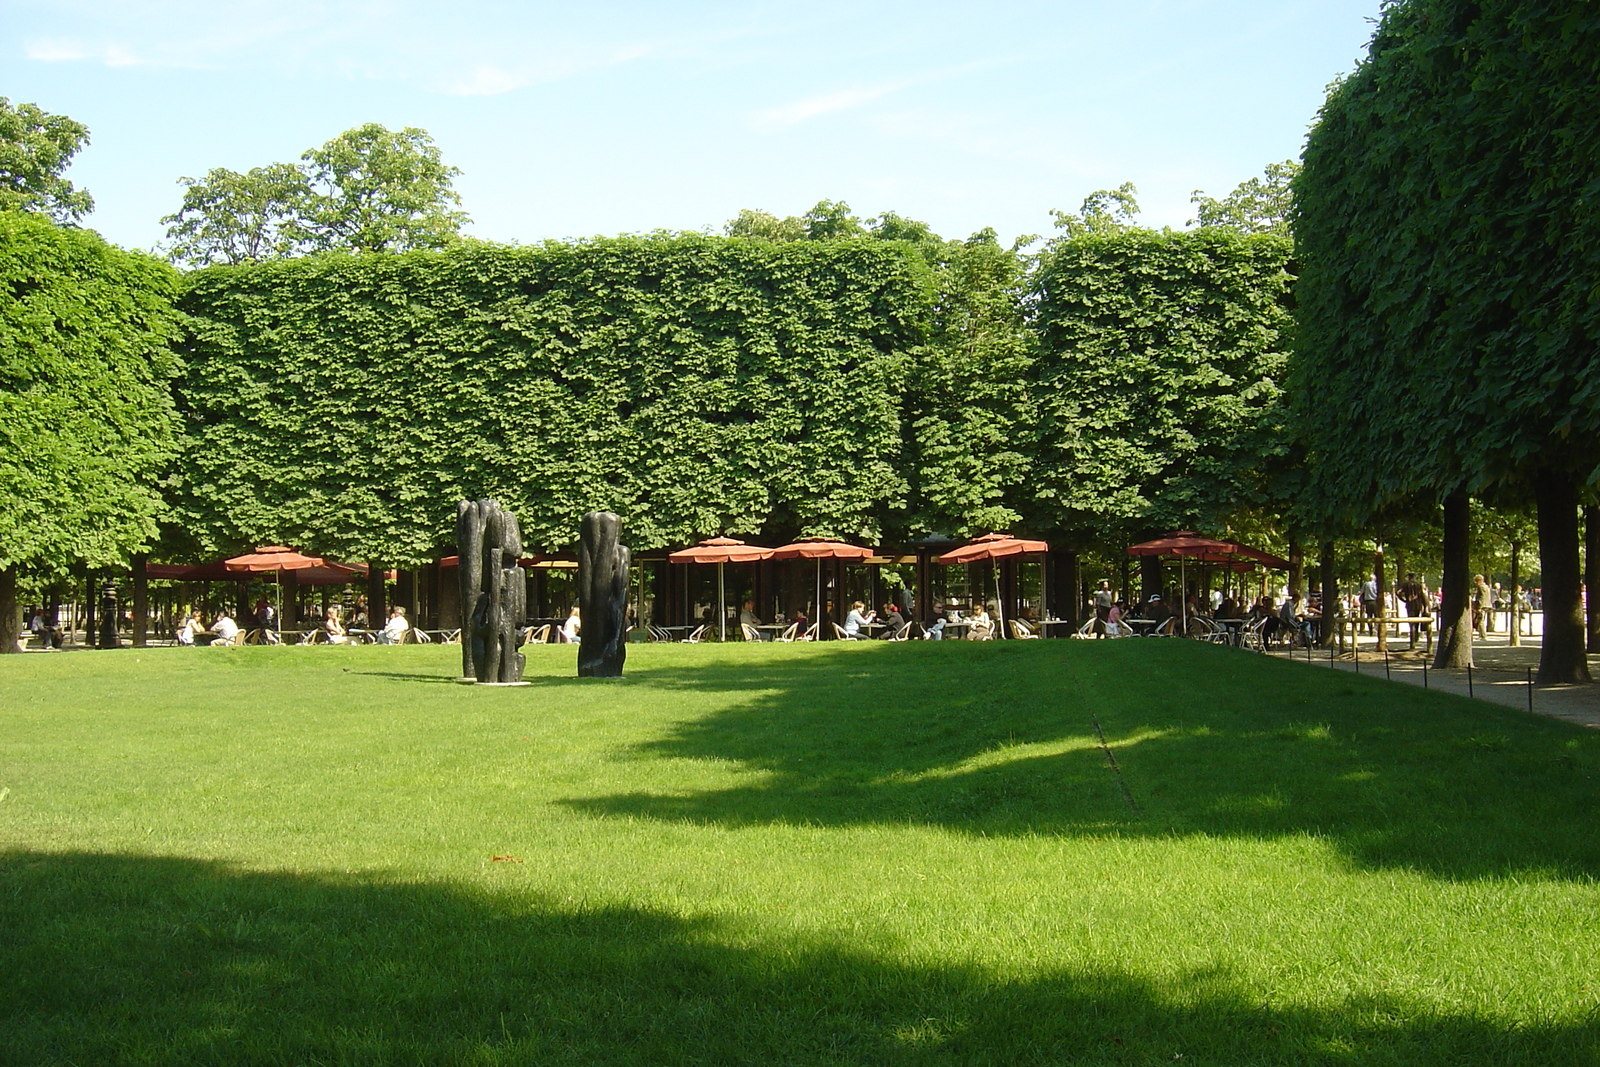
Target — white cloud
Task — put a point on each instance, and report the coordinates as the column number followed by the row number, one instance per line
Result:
column 846, row 99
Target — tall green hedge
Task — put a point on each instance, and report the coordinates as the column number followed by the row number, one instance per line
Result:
column 86, row 418
column 1158, row 387
column 693, row 385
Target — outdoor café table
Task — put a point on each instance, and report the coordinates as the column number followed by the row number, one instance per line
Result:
column 773, row 629
column 1142, row 627
column 1046, row 626
column 957, row 629
column 1234, row 628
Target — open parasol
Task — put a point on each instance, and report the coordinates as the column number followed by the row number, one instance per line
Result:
column 1187, row 545
column 721, row 551
column 991, row 547
column 276, row 560
column 819, row 549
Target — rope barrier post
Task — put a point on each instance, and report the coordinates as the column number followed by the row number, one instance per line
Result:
column 1530, row 688
column 1424, row 674
column 1386, row 661
column 1469, row 679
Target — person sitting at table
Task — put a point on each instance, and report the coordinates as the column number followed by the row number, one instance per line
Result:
column 933, row 629
column 572, row 628
column 333, row 628
column 1265, row 612
column 226, row 629
column 394, row 631
column 191, row 626
column 1157, row 612
column 1229, row 609
column 1288, row 616
column 854, row 621
column 980, row 627
column 358, row 614
column 893, row 622
column 1114, row 626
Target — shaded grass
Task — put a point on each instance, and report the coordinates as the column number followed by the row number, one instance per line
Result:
column 777, row 854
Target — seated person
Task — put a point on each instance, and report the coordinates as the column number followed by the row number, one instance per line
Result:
column 191, row 626
column 854, row 621
column 893, row 622
column 1229, row 609
column 1114, row 626
column 1265, row 612
column 226, row 629
column 394, row 631
column 933, row 629
column 334, row 629
column 572, row 628
column 980, row 627
column 1288, row 617
column 1157, row 611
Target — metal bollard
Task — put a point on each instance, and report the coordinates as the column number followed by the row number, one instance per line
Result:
column 1530, row 688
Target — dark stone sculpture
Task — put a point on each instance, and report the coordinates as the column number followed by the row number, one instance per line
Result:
column 494, row 594
column 602, row 597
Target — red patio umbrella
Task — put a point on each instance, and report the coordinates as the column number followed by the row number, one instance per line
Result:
column 275, row 560
column 819, row 549
column 1186, row 545
column 721, row 550
column 990, row 547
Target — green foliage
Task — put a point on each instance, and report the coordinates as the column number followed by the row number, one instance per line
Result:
column 969, row 404
column 380, row 190
column 1446, row 224
column 828, row 220
column 370, row 189
column 1159, row 397
column 35, row 147
column 1260, row 205
column 235, row 218
column 86, row 417
column 1104, row 211
column 692, row 385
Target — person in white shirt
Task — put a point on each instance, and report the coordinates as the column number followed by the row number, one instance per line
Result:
column 854, row 621
column 394, row 631
column 226, row 629
column 571, row 628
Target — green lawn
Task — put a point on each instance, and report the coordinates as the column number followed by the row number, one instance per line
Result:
column 787, row 854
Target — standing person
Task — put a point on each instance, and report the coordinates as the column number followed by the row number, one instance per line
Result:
column 1414, row 595
column 1482, row 604
column 1104, row 601
column 1369, row 597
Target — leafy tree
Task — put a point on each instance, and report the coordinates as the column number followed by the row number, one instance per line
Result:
column 369, row 189
column 693, row 385
column 228, row 217
column 969, row 406
column 381, row 190
column 1158, row 380
column 765, row 227
column 35, row 148
column 1260, row 205
column 1104, row 211
column 86, row 416
column 1450, row 248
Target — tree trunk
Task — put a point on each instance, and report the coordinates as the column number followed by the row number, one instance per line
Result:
column 1515, row 639
column 1591, row 573
column 1329, row 580
column 1064, row 597
column 91, row 636
column 1455, row 611
column 1562, row 658
column 1149, row 577
column 1381, row 574
column 1297, row 567
column 377, row 610
column 141, row 602
column 10, row 612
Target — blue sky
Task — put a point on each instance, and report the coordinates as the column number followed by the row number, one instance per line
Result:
column 602, row 118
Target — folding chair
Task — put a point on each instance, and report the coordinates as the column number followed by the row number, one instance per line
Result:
column 1021, row 631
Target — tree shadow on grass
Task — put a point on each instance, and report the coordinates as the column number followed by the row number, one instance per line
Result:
column 1001, row 738
column 113, row 958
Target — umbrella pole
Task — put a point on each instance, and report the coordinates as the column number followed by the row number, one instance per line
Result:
column 722, row 606
column 1183, row 599
column 999, row 600
column 818, row 620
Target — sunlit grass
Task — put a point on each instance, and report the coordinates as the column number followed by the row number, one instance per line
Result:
column 809, row 854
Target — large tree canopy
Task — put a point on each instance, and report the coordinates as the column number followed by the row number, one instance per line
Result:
column 86, row 417
column 369, row 189
column 1450, row 248
column 693, row 385
column 35, row 148
column 1158, row 384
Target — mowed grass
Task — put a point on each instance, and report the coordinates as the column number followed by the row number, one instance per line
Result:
column 915, row 853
